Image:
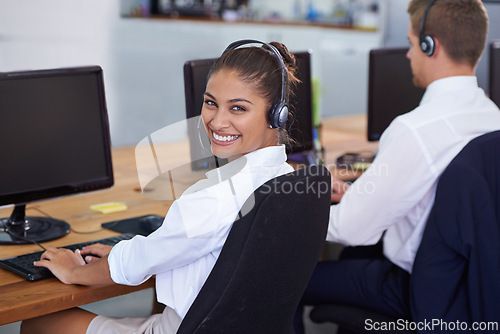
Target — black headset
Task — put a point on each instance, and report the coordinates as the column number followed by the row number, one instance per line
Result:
column 278, row 113
column 427, row 44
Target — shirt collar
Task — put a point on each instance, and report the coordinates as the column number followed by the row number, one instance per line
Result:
column 436, row 88
column 265, row 157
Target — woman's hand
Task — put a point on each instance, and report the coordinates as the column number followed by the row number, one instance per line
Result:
column 71, row 268
column 95, row 251
column 61, row 262
column 339, row 187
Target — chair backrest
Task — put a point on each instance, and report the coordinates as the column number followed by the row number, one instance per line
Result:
column 456, row 273
column 267, row 260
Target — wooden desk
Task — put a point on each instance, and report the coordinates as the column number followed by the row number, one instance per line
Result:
column 21, row 299
column 340, row 135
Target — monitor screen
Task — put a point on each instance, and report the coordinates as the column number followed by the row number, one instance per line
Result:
column 390, row 89
column 495, row 72
column 55, row 139
column 301, row 130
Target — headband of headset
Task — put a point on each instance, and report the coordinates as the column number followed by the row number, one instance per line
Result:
column 279, row 111
column 427, row 44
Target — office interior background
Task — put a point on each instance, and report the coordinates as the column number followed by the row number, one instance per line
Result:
column 142, row 57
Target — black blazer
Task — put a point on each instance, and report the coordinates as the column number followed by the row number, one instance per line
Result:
column 456, row 274
column 267, row 259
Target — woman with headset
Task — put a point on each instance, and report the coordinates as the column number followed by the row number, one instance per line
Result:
column 244, row 113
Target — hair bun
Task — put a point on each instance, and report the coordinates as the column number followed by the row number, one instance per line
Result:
column 288, row 58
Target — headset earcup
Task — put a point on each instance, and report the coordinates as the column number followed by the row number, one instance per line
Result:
column 278, row 115
column 428, row 45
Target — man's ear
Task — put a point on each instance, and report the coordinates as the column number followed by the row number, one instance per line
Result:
column 437, row 47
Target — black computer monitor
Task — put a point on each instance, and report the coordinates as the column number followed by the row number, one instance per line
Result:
column 495, row 72
column 301, row 130
column 55, row 141
column 195, row 80
column 390, row 89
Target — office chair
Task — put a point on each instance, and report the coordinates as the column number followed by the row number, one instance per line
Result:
column 267, row 260
column 457, row 267
column 456, row 273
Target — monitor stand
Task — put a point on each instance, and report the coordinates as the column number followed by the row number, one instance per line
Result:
column 19, row 229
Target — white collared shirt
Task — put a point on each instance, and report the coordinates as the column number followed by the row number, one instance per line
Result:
column 183, row 251
column 397, row 192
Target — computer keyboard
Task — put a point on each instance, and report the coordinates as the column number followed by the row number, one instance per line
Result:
column 23, row 264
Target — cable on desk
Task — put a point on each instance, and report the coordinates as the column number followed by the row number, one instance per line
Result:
column 39, row 210
column 6, row 230
column 85, row 232
column 71, row 227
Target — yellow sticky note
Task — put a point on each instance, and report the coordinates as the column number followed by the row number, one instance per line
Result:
column 109, row 207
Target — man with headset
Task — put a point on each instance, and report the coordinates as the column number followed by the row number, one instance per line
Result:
column 391, row 201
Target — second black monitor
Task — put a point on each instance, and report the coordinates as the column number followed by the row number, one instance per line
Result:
column 495, row 72
column 390, row 89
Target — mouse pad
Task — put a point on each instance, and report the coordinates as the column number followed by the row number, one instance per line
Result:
column 143, row 225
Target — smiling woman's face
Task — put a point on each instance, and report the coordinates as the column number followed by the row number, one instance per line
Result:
column 235, row 116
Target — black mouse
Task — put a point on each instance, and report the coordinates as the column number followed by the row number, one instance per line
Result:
column 151, row 223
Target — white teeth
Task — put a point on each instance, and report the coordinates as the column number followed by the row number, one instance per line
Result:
column 224, row 138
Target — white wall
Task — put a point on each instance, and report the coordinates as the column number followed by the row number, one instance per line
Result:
column 57, row 33
column 143, row 59
column 397, row 23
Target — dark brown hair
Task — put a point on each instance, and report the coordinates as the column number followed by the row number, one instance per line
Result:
column 459, row 25
column 260, row 67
